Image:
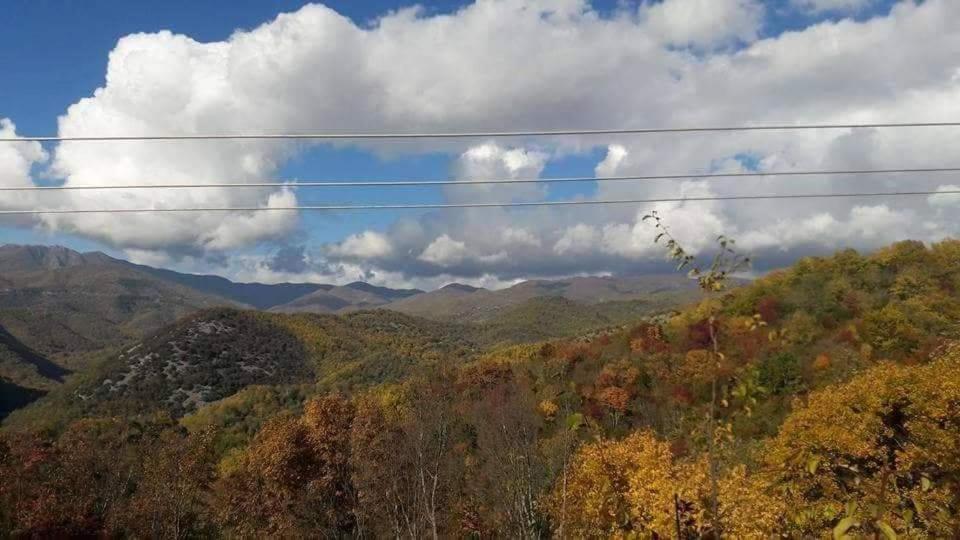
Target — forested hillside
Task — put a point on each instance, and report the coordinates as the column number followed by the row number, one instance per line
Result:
column 822, row 400
column 62, row 302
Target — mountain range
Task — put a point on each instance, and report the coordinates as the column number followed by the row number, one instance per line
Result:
column 61, row 309
column 470, row 304
column 63, row 301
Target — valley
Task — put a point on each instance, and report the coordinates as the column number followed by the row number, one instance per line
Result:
column 294, row 422
column 82, row 311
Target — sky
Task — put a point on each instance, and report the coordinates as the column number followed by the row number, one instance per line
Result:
column 180, row 67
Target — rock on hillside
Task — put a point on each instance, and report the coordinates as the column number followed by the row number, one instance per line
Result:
column 203, row 358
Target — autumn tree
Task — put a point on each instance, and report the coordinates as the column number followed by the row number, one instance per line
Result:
column 171, row 496
column 294, row 479
column 382, row 472
column 406, row 463
column 877, row 455
column 506, row 469
column 711, row 279
column 635, row 487
column 617, row 487
column 430, row 432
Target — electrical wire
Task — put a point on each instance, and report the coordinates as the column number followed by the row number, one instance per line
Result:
column 466, row 135
column 441, row 183
column 479, row 205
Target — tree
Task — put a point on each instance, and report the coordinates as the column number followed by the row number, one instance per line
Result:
column 294, row 479
column 614, row 488
column 380, row 470
column 171, row 497
column 711, row 279
column 879, row 454
column 506, row 471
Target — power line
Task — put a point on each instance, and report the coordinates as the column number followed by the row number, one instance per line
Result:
column 480, row 205
column 402, row 183
column 466, row 135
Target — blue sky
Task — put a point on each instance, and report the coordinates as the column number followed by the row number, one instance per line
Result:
column 55, row 52
column 49, row 69
column 52, row 54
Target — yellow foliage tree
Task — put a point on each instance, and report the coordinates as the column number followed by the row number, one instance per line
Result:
column 615, row 488
column 878, row 454
column 633, row 488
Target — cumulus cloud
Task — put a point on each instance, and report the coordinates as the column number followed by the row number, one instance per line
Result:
column 704, row 23
column 577, row 239
column 526, row 64
column 492, row 161
column 445, row 251
column 365, row 245
column 291, row 259
column 16, row 161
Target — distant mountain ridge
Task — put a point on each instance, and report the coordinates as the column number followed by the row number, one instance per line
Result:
column 471, row 304
column 352, row 297
column 60, row 301
column 258, row 295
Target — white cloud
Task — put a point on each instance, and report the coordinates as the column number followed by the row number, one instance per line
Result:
column 578, row 239
column 946, row 199
column 16, row 161
column 149, row 258
column 519, row 237
column 445, row 251
column 704, row 23
column 492, row 161
column 365, row 245
column 528, row 64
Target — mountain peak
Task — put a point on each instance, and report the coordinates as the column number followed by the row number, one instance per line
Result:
column 15, row 257
column 374, row 289
column 459, row 287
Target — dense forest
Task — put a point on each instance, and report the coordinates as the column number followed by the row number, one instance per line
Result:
column 821, row 400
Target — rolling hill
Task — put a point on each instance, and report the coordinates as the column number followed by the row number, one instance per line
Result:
column 215, row 353
column 352, row 297
column 199, row 359
column 60, row 302
column 258, row 295
column 548, row 317
column 463, row 303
